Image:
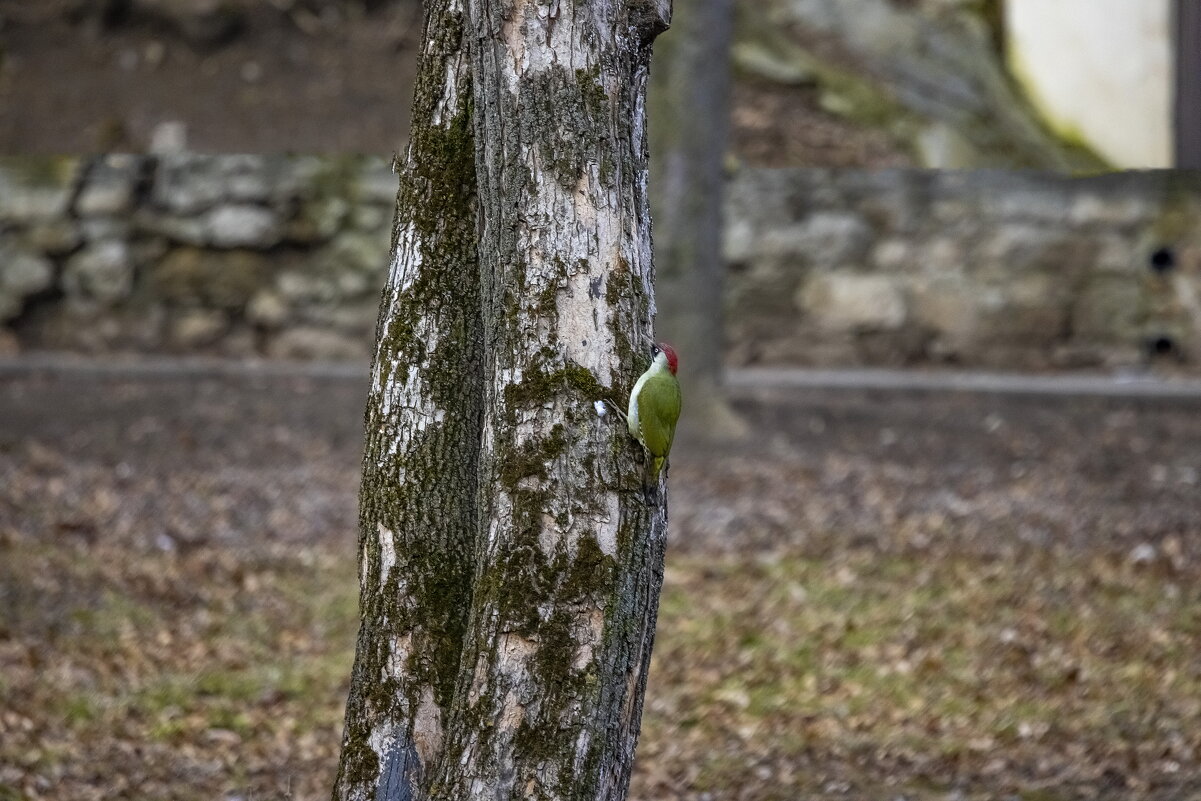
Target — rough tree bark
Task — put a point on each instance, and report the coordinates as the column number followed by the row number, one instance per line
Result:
column 689, row 133
column 510, row 558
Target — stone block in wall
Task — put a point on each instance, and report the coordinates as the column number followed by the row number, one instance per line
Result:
column 372, row 218
column 189, row 230
column 240, row 342
column 946, row 305
column 759, row 311
column 940, row 255
column 1110, row 210
column 100, row 229
column 36, row 190
column 1171, row 305
column 1021, row 197
column 205, row 278
column 249, row 178
column 1108, row 309
column 242, row 225
column 738, row 241
column 267, row 309
column 303, row 287
column 774, row 197
column 317, row 343
column 50, row 237
column 317, row 220
column 194, row 329
column 765, row 299
column 1116, row 255
column 847, row 301
column 102, row 272
column 136, row 325
column 352, row 284
column 79, row 324
column 298, row 177
column 890, row 200
column 830, row 349
column 1029, row 309
column 188, row 183
column 1022, row 247
column 907, row 345
column 894, row 255
column 356, row 318
column 357, row 252
column 109, row 187
column 377, row 183
column 22, row 274
column 830, row 239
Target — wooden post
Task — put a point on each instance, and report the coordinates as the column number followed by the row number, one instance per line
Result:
column 1187, row 122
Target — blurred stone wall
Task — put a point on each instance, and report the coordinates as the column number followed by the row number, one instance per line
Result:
column 274, row 256
column 997, row 269
column 284, row 257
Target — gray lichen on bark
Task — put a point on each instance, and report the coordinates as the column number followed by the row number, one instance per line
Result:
column 511, row 560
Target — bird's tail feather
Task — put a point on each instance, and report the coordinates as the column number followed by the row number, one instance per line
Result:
column 651, row 476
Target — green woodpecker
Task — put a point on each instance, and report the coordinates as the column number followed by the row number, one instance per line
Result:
column 655, row 407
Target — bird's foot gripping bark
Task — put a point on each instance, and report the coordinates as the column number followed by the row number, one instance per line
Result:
column 618, row 411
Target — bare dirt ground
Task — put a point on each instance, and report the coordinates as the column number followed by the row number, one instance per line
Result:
column 883, row 595
column 341, row 83
column 323, row 76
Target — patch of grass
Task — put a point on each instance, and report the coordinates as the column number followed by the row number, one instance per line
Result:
column 80, row 709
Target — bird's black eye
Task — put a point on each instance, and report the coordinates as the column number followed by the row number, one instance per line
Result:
column 654, row 351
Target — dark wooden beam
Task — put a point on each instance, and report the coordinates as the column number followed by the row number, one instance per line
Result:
column 1187, row 123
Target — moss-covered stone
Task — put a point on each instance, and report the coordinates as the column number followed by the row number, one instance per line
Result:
column 196, row 277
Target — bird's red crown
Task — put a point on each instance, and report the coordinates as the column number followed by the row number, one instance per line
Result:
column 670, row 353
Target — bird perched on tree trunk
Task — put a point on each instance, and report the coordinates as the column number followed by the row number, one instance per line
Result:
column 655, row 408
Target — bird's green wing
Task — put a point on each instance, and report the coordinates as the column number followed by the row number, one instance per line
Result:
column 658, row 411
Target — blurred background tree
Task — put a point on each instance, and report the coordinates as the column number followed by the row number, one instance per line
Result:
column 689, row 103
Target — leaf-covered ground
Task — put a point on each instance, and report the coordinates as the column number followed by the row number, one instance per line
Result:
column 178, row 599
column 212, row 674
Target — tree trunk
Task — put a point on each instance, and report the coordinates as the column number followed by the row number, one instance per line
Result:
column 418, row 516
column 511, row 560
column 689, row 126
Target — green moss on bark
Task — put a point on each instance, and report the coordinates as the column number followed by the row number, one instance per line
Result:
column 531, row 458
column 419, row 473
column 539, row 387
column 570, row 118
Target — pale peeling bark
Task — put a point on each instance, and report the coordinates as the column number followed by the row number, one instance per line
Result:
column 512, row 558
column 418, row 513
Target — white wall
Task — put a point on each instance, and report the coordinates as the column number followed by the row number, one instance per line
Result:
column 1100, row 71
